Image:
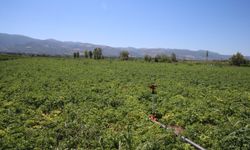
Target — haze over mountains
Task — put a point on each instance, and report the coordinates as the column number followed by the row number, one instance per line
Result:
column 10, row 43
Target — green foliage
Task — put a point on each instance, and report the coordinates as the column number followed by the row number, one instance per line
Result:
column 206, row 55
column 237, row 59
column 163, row 58
column 90, row 54
column 97, row 53
column 238, row 139
column 124, row 55
column 76, row 55
column 148, row 58
column 4, row 57
column 173, row 57
column 86, row 54
column 60, row 103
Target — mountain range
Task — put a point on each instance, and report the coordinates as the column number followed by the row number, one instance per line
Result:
column 12, row 43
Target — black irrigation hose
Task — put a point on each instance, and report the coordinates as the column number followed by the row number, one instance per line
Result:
column 182, row 137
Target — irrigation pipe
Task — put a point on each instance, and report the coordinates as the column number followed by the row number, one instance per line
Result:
column 182, row 137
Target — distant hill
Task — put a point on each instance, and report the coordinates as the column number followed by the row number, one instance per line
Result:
column 22, row 44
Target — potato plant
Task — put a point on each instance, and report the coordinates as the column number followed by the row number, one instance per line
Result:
column 50, row 103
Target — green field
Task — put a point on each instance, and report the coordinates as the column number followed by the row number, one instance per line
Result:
column 49, row 103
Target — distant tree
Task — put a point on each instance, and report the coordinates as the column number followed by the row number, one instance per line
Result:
column 157, row 57
column 147, row 58
column 173, row 57
column 95, row 53
column 237, row 59
column 163, row 58
column 124, row 55
column 86, row 54
column 77, row 54
column 206, row 55
column 90, row 54
column 98, row 53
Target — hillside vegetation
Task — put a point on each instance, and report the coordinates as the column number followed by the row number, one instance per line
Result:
column 49, row 103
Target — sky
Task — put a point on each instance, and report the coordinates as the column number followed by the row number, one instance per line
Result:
column 221, row 26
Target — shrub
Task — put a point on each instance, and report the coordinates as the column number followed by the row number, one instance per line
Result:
column 147, row 58
column 237, row 59
column 98, row 53
column 90, row 54
column 163, row 58
column 173, row 57
column 86, row 54
column 124, row 55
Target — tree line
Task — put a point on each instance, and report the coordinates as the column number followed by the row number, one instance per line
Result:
column 96, row 54
column 161, row 58
column 124, row 55
column 237, row 59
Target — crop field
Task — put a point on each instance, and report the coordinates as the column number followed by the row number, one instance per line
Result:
column 50, row 103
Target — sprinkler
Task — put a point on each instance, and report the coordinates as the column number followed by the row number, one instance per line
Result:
column 177, row 130
column 153, row 93
column 153, row 88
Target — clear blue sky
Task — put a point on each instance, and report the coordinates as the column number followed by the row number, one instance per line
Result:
column 219, row 25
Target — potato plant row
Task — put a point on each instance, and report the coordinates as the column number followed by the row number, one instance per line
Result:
column 49, row 103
